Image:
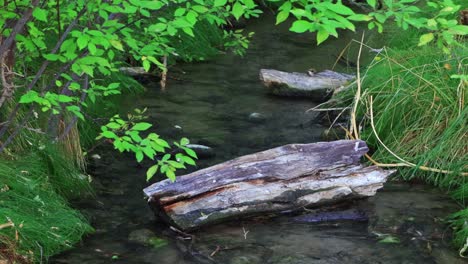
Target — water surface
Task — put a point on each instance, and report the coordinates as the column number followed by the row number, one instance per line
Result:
column 210, row 103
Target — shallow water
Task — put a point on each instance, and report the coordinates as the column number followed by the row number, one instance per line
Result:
column 211, row 103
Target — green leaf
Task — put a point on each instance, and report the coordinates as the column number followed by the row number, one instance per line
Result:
column 459, row 30
column 372, row 3
column 139, row 156
column 141, row 126
column 64, row 98
column 29, row 97
column 322, row 35
column 184, row 141
column 426, row 38
column 82, row 42
column 237, row 10
column 113, row 125
column 190, row 152
column 188, row 31
column 116, row 44
column 218, row 3
column 151, row 171
column 200, row 9
column 146, row 65
column 188, row 160
column 360, row 17
column 51, row 57
column 339, row 8
column 179, row 12
column 171, row 175
column 300, row 26
column 108, row 134
column 166, row 157
column 40, row 14
column 282, row 16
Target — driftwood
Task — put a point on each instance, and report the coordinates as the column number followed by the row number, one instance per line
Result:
column 318, row 86
column 290, row 177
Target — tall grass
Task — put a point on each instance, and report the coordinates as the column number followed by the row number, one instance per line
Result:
column 38, row 221
column 420, row 117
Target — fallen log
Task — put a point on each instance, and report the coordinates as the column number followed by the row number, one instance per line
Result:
column 290, row 177
column 318, row 86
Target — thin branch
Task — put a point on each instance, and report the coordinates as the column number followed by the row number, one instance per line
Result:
column 18, row 28
column 42, row 69
column 357, row 98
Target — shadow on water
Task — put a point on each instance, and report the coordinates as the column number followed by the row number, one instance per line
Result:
column 212, row 104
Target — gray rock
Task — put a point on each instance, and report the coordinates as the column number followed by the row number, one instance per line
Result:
column 256, row 117
column 202, row 150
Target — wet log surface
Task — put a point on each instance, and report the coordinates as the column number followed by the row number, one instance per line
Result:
column 318, row 86
column 290, row 177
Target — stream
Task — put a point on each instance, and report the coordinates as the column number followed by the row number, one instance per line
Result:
column 211, row 103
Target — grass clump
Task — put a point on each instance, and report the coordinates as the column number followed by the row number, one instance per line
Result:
column 36, row 220
column 413, row 115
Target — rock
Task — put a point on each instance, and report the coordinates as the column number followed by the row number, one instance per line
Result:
column 141, row 236
column 319, row 86
column 202, row 150
column 256, row 117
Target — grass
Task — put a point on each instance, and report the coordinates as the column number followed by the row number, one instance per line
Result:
column 419, row 116
column 37, row 220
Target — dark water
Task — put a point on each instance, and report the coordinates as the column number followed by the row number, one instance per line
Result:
column 210, row 103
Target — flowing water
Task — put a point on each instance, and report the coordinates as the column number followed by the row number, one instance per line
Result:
column 211, row 103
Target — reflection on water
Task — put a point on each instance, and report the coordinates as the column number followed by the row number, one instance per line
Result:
column 212, row 104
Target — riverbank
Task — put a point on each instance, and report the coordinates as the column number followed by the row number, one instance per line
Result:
column 412, row 111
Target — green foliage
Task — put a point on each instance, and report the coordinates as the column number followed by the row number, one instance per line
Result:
column 83, row 44
column 326, row 17
column 42, row 223
column 459, row 223
column 126, row 137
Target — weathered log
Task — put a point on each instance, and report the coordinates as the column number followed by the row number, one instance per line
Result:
column 290, row 177
column 318, row 86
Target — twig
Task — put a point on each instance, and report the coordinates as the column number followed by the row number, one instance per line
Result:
column 218, row 248
column 42, row 69
column 403, row 162
column 357, row 97
column 328, row 109
column 6, row 225
column 341, row 55
column 245, row 232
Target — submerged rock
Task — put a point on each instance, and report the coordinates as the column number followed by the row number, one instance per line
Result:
column 202, row 150
column 256, row 117
column 141, row 236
